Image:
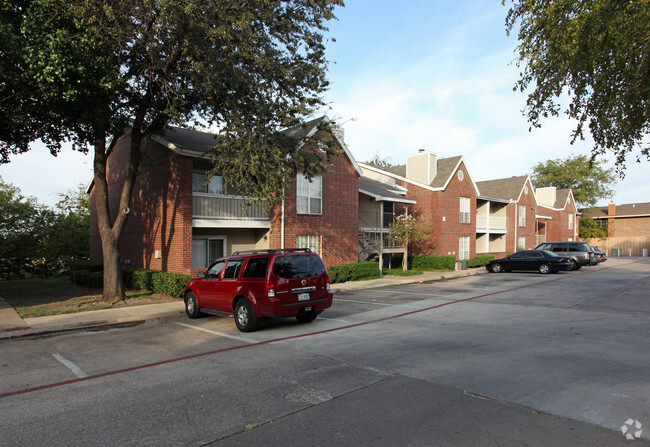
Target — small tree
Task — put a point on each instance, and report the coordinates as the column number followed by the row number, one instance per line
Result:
column 380, row 162
column 589, row 229
column 406, row 229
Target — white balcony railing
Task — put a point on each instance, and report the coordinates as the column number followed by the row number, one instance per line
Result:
column 490, row 223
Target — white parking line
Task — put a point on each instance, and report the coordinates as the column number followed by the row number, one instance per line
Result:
column 378, row 304
column 71, row 366
column 334, row 319
column 393, row 292
column 221, row 334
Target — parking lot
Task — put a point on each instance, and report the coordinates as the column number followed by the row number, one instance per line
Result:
column 494, row 359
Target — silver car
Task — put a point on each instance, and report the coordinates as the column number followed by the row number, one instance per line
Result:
column 579, row 252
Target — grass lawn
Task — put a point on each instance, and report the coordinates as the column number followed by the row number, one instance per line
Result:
column 53, row 296
column 400, row 272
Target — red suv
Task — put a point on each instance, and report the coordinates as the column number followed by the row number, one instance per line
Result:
column 257, row 284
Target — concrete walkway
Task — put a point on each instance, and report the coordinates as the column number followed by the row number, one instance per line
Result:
column 13, row 326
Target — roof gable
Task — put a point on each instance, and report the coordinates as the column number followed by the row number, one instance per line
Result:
column 509, row 189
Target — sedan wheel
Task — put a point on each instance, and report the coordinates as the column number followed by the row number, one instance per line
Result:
column 544, row 268
column 497, row 268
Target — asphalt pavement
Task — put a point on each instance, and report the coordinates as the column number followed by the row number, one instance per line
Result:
column 13, row 326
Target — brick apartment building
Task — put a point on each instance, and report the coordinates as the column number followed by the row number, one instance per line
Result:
column 627, row 225
column 179, row 221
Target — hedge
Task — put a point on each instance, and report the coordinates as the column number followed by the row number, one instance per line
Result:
column 138, row 278
column 351, row 272
column 83, row 264
column 171, row 284
column 433, row 262
column 479, row 261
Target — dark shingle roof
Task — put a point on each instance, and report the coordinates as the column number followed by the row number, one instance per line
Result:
column 503, row 189
column 629, row 209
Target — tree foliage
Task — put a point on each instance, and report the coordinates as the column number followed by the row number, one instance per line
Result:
column 597, row 51
column 36, row 240
column 380, row 162
column 590, row 229
column 588, row 179
column 406, row 229
column 90, row 71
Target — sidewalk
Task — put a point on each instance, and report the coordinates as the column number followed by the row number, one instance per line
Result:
column 13, row 326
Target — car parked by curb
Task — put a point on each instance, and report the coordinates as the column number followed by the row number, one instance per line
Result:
column 579, row 252
column 599, row 256
column 543, row 261
column 258, row 284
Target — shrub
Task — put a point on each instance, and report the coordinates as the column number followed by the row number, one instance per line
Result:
column 351, row 272
column 433, row 262
column 84, row 264
column 80, row 277
column 138, row 278
column 171, row 284
column 479, row 261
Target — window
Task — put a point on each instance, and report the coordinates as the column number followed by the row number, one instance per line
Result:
column 232, row 269
column 522, row 216
column 256, row 268
column 298, row 266
column 521, row 243
column 204, row 251
column 310, row 241
column 214, row 186
column 309, row 195
column 570, row 221
column 213, row 271
column 464, row 210
column 463, row 247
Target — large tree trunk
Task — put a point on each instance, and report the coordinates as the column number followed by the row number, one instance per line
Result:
column 111, row 227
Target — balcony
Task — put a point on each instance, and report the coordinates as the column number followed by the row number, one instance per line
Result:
column 216, row 211
column 491, row 224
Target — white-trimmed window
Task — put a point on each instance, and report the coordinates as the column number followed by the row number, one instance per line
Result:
column 521, row 243
column 464, row 210
column 206, row 250
column 463, row 248
column 309, row 195
column 310, row 241
column 570, row 221
column 522, row 216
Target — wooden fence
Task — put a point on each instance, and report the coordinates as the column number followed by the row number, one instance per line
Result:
column 625, row 245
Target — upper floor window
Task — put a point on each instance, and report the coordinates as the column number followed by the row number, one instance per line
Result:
column 214, row 186
column 464, row 210
column 309, row 195
column 522, row 216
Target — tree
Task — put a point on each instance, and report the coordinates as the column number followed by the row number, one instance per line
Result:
column 599, row 53
column 590, row 229
column 91, row 71
column 380, row 162
column 588, row 179
column 406, row 229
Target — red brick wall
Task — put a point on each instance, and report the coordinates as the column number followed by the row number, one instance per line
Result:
column 441, row 211
column 527, row 200
column 158, row 233
column 557, row 228
column 338, row 223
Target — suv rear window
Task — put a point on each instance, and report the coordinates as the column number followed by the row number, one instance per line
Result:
column 301, row 266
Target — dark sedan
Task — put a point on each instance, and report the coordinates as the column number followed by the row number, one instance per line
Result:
column 543, row 261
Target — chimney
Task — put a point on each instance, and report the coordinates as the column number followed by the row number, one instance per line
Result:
column 422, row 167
column 611, row 209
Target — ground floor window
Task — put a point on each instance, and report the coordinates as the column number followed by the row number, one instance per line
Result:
column 521, row 243
column 463, row 247
column 206, row 250
column 310, row 241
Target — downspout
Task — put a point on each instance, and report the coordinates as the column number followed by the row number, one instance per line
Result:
column 282, row 222
column 381, row 237
column 516, row 225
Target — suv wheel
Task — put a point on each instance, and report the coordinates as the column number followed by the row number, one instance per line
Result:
column 245, row 317
column 192, row 306
column 574, row 265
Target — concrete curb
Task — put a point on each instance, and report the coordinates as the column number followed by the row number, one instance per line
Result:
column 12, row 326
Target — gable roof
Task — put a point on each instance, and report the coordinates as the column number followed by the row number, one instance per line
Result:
column 625, row 210
column 194, row 143
column 446, row 168
column 382, row 192
column 504, row 189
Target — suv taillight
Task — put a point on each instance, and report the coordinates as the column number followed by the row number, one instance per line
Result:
column 328, row 283
column 270, row 289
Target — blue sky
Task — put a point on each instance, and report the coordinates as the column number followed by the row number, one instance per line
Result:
column 435, row 75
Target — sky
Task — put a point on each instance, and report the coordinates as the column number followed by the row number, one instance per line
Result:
column 418, row 74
